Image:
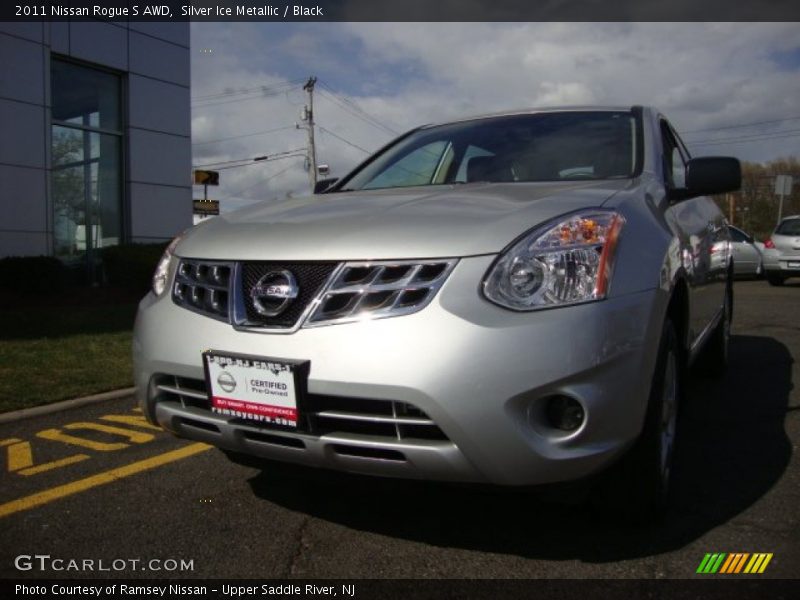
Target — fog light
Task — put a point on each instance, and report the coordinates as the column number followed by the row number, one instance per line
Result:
column 565, row 413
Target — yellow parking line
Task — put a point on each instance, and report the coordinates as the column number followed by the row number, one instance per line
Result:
column 87, row 483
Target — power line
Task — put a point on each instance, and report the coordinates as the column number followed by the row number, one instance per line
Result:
column 244, row 135
column 248, row 90
column 250, row 164
column 348, row 142
column 751, row 138
column 249, row 159
column 259, row 182
column 377, row 121
column 370, row 120
column 743, row 125
column 262, row 95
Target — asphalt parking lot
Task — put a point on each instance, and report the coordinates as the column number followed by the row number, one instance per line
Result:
column 98, row 483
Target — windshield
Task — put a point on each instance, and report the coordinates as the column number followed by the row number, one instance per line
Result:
column 557, row 146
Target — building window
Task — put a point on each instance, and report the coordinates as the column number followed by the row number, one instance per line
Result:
column 87, row 162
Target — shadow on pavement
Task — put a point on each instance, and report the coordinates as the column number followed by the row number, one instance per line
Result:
column 732, row 450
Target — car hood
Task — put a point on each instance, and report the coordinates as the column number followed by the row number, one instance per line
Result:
column 423, row 222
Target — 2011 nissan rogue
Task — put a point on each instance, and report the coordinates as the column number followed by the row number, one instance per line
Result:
column 510, row 299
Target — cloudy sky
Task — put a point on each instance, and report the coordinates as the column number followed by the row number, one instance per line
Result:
column 728, row 88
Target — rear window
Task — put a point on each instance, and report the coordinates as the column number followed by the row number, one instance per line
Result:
column 789, row 227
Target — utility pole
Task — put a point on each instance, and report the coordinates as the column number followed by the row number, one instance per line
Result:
column 731, row 208
column 308, row 115
column 783, row 187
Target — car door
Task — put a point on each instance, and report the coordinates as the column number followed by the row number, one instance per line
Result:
column 746, row 257
column 703, row 235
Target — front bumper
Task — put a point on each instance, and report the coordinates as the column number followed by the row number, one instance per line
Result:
column 481, row 373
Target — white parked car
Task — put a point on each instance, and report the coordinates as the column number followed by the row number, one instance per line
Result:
column 747, row 258
column 782, row 251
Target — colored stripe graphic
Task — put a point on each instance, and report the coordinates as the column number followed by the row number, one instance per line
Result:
column 740, row 564
column 727, row 564
column 703, row 563
column 734, row 563
column 717, row 563
column 711, row 563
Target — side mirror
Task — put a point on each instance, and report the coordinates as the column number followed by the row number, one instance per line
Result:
column 713, row 175
column 324, row 184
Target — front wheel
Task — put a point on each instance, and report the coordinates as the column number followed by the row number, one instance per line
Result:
column 637, row 487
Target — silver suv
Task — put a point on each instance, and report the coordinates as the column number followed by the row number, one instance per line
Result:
column 510, row 299
column 782, row 251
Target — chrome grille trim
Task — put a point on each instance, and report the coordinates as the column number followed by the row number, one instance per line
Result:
column 353, row 291
column 203, row 286
column 337, row 414
column 382, row 421
column 385, row 289
column 170, row 389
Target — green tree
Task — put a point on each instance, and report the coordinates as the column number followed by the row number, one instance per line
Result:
column 756, row 205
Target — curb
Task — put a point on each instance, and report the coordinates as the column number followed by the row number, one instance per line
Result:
column 47, row 409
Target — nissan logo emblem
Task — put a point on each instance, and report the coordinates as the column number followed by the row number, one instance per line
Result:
column 274, row 292
column 226, row 381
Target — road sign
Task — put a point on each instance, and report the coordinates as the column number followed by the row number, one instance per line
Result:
column 206, row 208
column 206, row 177
column 783, row 185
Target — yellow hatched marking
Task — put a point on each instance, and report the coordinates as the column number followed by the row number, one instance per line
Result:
column 136, row 437
column 131, row 420
column 88, row 483
column 20, row 459
column 48, row 466
column 57, row 435
column 20, row 456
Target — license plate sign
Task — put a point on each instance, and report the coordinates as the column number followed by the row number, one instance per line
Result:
column 264, row 389
column 793, row 264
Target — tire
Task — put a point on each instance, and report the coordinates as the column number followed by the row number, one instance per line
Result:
column 636, row 489
column 714, row 359
column 776, row 280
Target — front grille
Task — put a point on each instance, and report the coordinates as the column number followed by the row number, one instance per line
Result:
column 376, row 290
column 203, row 286
column 398, row 420
column 310, row 277
column 325, row 415
column 189, row 392
column 282, row 296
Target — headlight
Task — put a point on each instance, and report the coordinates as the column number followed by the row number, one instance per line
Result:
column 161, row 276
column 566, row 263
